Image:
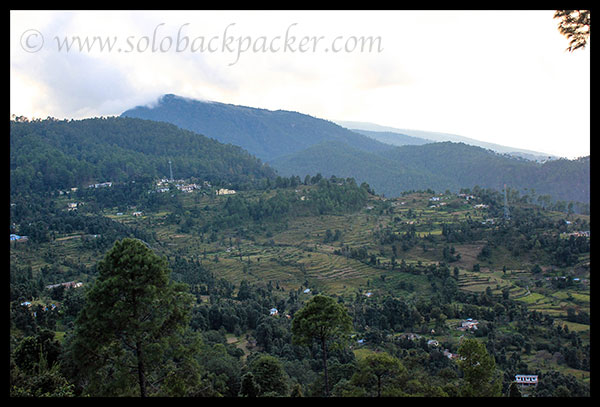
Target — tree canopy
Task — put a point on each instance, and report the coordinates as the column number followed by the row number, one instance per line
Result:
column 325, row 320
column 130, row 320
column 479, row 370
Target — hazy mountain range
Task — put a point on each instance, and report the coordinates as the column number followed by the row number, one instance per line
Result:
column 390, row 160
column 264, row 133
column 401, row 137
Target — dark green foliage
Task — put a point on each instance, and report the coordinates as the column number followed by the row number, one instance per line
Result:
column 329, row 197
column 43, row 381
column 249, row 386
column 325, row 321
column 48, row 155
column 441, row 166
column 479, row 369
column 33, row 349
column 553, row 384
column 269, row 377
column 264, row 133
column 130, row 321
column 418, row 277
column 295, row 143
column 386, row 369
column 513, row 390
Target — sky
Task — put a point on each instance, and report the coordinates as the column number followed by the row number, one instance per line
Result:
column 500, row 76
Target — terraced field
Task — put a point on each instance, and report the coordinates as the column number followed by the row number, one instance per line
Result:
column 295, row 253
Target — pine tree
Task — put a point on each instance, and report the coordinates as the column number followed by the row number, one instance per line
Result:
column 479, row 369
column 324, row 320
column 130, row 321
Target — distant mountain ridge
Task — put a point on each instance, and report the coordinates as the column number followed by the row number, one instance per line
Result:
column 267, row 134
column 395, row 139
column 296, row 144
column 396, row 136
column 442, row 166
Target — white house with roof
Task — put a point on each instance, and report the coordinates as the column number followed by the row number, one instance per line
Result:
column 468, row 323
column 526, row 380
column 101, row 185
column 68, row 284
column 225, row 191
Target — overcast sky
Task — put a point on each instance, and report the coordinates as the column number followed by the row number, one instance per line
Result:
column 497, row 76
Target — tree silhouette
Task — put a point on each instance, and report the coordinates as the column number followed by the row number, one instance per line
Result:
column 382, row 366
column 130, row 321
column 479, row 368
column 575, row 26
column 323, row 319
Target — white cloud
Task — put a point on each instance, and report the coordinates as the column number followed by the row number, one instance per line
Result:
column 498, row 76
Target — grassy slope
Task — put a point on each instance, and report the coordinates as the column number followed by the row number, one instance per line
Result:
column 294, row 253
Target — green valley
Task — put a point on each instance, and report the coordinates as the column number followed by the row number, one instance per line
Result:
column 420, row 275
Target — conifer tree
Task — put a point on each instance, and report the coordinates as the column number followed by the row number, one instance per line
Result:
column 324, row 320
column 130, row 322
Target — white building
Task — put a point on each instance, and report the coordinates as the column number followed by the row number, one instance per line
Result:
column 526, row 380
column 468, row 323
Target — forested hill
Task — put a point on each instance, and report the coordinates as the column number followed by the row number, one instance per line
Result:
column 443, row 166
column 46, row 155
column 298, row 144
column 265, row 133
column 463, row 165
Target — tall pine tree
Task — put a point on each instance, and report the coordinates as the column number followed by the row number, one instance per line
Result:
column 131, row 322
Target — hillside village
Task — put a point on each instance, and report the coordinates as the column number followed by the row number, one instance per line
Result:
column 419, row 274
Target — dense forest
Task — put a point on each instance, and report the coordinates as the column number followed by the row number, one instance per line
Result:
column 48, row 155
column 295, row 143
column 136, row 288
column 442, row 166
column 264, row 133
